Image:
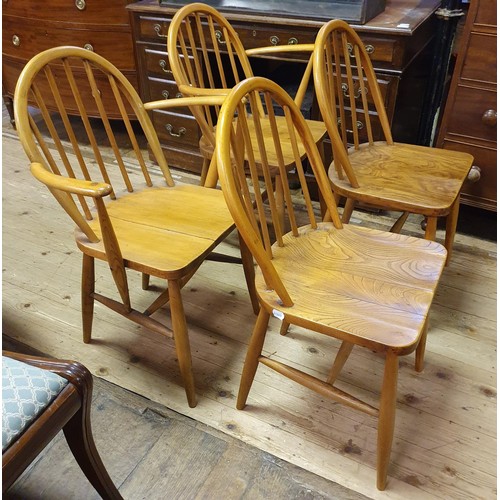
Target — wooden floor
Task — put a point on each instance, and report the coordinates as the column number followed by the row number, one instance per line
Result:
column 445, row 438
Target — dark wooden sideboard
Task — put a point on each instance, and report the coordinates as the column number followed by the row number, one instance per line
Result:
column 29, row 27
column 470, row 118
column 399, row 40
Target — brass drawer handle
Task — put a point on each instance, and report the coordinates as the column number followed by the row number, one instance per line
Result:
column 163, row 66
column 219, row 36
column 359, row 125
column 16, row 41
column 157, row 28
column 293, row 41
column 170, row 130
column 489, row 118
column 345, row 91
column 166, row 94
column 80, row 4
column 88, row 46
column 274, row 40
column 474, row 174
column 369, row 48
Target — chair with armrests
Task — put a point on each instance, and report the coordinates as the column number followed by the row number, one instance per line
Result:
column 207, row 57
column 395, row 176
column 129, row 213
column 39, row 398
column 363, row 286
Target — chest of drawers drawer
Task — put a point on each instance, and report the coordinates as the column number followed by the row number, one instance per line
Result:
column 73, row 11
column 479, row 106
column 22, row 39
column 176, row 129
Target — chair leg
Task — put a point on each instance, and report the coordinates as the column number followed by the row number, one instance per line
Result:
column 387, row 415
column 79, row 437
column 204, row 171
column 88, row 284
column 451, row 228
column 145, row 281
column 284, row 327
column 252, row 357
column 340, row 359
column 181, row 339
column 430, row 228
column 420, row 352
column 348, row 209
column 398, row 225
column 249, row 271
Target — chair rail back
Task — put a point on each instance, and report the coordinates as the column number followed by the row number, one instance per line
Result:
column 349, row 96
column 244, row 181
column 206, row 55
column 63, row 138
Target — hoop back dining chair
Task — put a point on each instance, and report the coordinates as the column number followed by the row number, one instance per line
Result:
column 207, row 57
column 369, row 167
column 129, row 213
column 365, row 287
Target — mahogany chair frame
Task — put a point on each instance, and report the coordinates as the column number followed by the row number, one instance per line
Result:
column 362, row 286
column 69, row 411
column 165, row 230
column 380, row 173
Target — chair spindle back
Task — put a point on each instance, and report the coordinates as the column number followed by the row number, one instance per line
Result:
column 244, row 182
column 348, row 93
column 66, row 137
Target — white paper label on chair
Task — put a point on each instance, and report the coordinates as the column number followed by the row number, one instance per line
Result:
column 278, row 314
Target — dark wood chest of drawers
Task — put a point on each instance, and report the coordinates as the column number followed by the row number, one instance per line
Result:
column 399, row 40
column 469, row 119
column 29, row 27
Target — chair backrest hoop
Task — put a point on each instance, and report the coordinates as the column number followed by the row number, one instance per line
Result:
column 232, row 158
column 348, row 93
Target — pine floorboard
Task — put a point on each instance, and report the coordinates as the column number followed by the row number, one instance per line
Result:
column 445, row 437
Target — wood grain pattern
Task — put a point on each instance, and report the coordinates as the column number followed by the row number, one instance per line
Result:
column 369, row 288
column 388, row 175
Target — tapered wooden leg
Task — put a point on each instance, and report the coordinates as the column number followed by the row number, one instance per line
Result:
column 88, row 284
column 181, row 339
column 451, row 228
column 145, row 281
column 252, row 357
column 398, row 225
column 204, row 171
column 430, row 228
column 348, row 209
column 78, row 433
column 340, row 359
column 212, row 175
column 284, row 327
column 387, row 415
column 420, row 352
column 249, row 271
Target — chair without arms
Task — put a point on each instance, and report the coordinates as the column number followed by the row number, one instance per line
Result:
column 363, row 286
column 67, row 387
column 395, row 176
column 128, row 213
column 207, row 57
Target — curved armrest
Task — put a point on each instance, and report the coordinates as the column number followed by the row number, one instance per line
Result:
column 273, row 49
column 215, row 99
column 68, row 184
